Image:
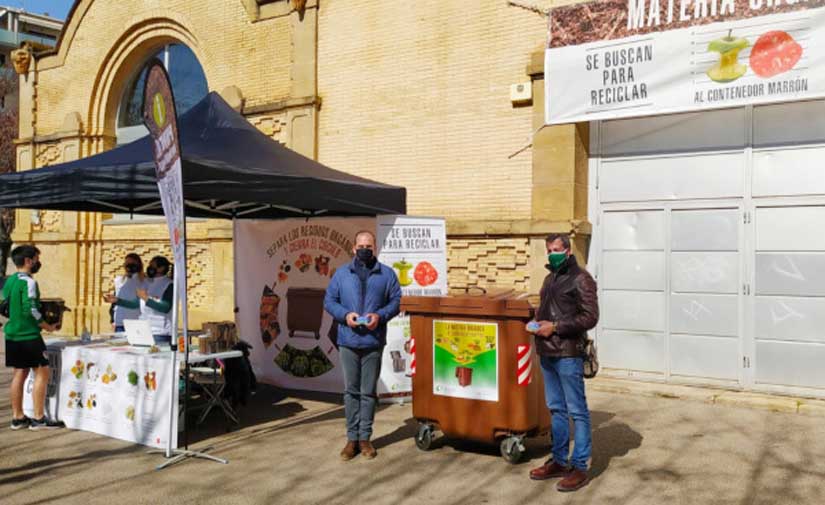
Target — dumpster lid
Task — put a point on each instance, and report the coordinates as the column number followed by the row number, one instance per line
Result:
column 496, row 302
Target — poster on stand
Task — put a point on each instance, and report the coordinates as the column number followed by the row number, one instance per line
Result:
column 282, row 269
column 416, row 248
column 395, row 382
column 465, row 360
column 649, row 57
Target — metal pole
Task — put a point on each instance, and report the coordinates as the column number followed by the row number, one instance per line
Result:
column 173, row 407
column 185, row 310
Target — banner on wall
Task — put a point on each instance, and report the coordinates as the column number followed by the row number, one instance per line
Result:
column 416, row 248
column 645, row 57
column 282, row 270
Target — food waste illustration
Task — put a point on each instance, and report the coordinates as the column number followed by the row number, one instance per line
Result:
column 424, row 273
column 292, row 319
column 773, row 53
column 465, row 349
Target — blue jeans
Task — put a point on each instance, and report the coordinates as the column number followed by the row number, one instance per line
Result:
column 564, row 393
column 361, row 370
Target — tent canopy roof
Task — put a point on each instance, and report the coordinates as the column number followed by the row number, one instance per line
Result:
column 230, row 169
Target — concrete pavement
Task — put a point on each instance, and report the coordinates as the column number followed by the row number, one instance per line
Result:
column 647, row 450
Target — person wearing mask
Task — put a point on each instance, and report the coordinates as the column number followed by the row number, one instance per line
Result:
column 25, row 349
column 362, row 297
column 569, row 307
column 125, row 300
column 156, row 299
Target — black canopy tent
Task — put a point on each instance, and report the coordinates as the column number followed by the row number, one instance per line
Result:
column 230, row 170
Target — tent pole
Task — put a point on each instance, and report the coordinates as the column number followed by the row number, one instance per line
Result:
column 174, row 456
column 185, row 342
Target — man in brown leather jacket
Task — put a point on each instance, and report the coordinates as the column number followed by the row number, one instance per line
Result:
column 569, row 307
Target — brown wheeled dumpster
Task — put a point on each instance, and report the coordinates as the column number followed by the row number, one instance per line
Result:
column 476, row 373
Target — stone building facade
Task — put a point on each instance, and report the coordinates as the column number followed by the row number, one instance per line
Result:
column 416, row 94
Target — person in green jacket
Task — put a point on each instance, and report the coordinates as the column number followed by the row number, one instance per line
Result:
column 25, row 348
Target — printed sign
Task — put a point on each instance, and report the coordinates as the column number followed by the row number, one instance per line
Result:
column 281, row 279
column 113, row 391
column 416, row 247
column 609, row 59
column 160, row 118
column 465, row 360
column 397, row 362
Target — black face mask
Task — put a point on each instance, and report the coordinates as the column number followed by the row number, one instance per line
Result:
column 36, row 267
column 151, row 272
column 364, row 255
column 132, row 268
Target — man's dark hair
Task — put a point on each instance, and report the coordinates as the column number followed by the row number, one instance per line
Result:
column 564, row 237
column 21, row 253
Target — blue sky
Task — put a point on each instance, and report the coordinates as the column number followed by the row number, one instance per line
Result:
column 56, row 8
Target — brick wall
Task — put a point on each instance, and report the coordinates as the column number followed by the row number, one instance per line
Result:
column 489, row 263
column 418, row 94
column 233, row 51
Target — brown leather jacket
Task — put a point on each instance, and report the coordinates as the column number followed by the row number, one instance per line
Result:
column 568, row 298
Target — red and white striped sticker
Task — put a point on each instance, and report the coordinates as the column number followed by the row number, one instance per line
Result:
column 524, row 355
column 412, row 355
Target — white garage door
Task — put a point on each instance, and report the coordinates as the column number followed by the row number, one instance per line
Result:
column 709, row 246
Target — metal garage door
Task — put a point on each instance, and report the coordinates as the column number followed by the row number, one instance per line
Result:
column 709, row 246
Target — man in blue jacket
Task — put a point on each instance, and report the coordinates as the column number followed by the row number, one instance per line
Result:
column 362, row 297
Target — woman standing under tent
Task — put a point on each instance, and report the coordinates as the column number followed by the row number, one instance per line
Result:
column 125, row 300
column 156, row 299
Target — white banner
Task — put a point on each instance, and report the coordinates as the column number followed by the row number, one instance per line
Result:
column 114, row 391
column 396, row 375
column 282, row 269
column 416, row 248
column 645, row 57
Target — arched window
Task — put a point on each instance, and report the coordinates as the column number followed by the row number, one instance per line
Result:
column 188, row 85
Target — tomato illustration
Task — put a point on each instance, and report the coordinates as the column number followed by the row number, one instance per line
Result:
column 425, row 274
column 774, row 53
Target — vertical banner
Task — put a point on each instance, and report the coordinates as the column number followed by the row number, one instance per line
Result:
column 281, row 276
column 160, row 118
column 416, row 248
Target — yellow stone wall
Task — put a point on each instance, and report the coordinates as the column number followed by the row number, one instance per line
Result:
column 418, row 94
column 410, row 93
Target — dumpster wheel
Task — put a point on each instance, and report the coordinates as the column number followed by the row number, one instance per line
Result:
column 512, row 449
column 424, row 436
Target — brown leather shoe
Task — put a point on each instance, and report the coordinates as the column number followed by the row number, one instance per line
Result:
column 350, row 450
column 576, row 479
column 549, row 470
column 367, row 449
